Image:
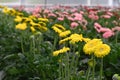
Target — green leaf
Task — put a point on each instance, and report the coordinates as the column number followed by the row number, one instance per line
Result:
column 13, row 71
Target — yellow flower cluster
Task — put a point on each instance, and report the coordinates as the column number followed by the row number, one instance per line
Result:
column 43, row 20
column 31, row 22
column 11, row 11
column 74, row 38
column 96, row 47
column 61, row 30
column 91, row 45
column 24, row 22
column 58, row 28
column 63, row 50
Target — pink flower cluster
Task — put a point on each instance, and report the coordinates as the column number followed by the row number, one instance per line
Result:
column 106, row 31
column 108, row 15
column 93, row 15
column 77, row 17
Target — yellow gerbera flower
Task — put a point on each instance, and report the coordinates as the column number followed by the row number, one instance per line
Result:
column 63, row 50
column 90, row 46
column 6, row 10
column 42, row 23
column 43, row 19
column 34, row 24
column 32, row 29
column 57, row 29
column 21, row 26
column 65, row 33
column 32, row 17
column 102, row 50
column 27, row 19
column 19, row 13
column 43, row 28
column 64, row 40
column 18, row 19
column 86, row 39
column 60, row 27
column 12, row 11
column 55, row 53
column 75, row 38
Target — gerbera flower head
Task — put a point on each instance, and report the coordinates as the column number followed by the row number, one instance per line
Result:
column 64, row 40
column 86, row 39
column 90, row 46
column 63, row 50
column 43, row 19
column 57, row 30
column 65, row 33
column 76, row 38
column 21, row 26
column 32, row 29
column 102, row 50
column 60, row 27
column 18, row 19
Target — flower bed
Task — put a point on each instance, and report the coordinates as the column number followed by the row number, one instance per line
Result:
column 60, row 43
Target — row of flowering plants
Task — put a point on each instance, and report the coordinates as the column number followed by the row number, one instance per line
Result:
column 59, row 43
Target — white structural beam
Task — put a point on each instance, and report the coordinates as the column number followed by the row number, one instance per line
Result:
column 88, row 2
column 110, row 2
column 53, row 2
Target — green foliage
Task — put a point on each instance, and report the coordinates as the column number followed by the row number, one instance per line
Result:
column 23, row 55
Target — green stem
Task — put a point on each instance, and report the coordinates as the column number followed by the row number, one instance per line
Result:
column 22, row 44
column 72, row 64
column 65, row 62
column 55, row 42
column 68, row 68
column 39, row 41
column 101, row 69
column 77, row 57
column 79, row 47
column 60, row 69
column 116, row 37
column 88, row 73
column 93, row 71
column 33, row 46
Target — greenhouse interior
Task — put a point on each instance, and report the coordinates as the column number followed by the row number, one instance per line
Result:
column 59, row 39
